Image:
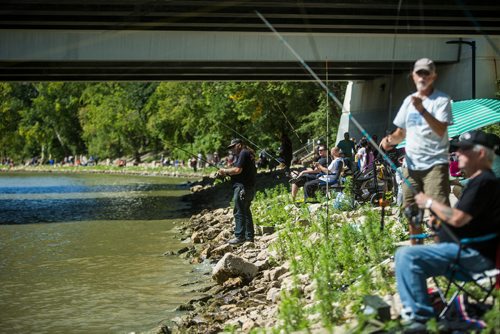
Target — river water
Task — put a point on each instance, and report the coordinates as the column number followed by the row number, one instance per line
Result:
column 84, row 253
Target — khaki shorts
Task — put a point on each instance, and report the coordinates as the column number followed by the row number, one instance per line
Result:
column 433, row 182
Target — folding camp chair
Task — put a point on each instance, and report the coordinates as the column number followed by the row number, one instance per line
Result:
column 458, row 277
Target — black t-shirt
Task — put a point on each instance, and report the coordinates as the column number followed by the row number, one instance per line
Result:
column 246, row 162
column 324, row 161
column 481, row 200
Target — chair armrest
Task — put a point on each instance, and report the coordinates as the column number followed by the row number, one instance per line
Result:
column 466, row 241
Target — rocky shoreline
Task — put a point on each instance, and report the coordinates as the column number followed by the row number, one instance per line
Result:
column 245, row 284
column 244, row 287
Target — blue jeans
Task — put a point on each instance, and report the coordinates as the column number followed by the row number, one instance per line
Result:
column 417, row 263
column 242, row 214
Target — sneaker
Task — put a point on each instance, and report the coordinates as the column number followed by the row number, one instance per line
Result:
column 236, row 241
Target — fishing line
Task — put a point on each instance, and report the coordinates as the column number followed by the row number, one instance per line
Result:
column 393, row 60
column 476, row 24
column 327, row 142
column 191, row 154
column 249, row 141
column 286, row 118
column 336, row 100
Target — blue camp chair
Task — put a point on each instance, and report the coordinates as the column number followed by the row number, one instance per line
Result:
column 485, row 282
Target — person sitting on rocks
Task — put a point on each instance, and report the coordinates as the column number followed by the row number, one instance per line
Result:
column 328, row 175
column 310, row 173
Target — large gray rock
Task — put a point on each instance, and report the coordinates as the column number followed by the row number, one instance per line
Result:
column 233, row 266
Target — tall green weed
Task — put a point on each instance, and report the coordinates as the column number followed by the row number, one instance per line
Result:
column 340, row 255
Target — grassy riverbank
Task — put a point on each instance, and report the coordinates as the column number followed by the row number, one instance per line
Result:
column 104, row 169
column 313, row 272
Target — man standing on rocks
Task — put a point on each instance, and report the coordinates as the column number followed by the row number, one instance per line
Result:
column 242, row 175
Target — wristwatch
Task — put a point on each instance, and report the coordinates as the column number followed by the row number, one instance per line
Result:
column 428, row 203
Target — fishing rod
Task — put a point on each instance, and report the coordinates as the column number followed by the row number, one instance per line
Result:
column 191, row 154
column 336, row 100
column 255, row 145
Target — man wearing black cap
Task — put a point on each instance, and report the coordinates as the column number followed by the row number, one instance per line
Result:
column 423, row 120
column 242, row 175
column 477, row 213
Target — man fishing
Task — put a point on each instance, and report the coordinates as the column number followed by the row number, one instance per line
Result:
column 242, row 173
column 423, row 120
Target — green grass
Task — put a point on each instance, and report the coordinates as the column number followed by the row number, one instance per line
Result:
column 112, row 169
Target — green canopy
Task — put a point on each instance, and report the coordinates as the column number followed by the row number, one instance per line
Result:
column 472, row 114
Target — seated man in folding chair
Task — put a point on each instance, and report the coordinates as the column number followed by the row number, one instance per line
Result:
column 477, row 213
column 329, row 175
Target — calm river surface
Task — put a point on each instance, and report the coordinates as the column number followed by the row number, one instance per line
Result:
column 83, row 253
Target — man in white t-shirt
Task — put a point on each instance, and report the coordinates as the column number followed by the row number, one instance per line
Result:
column 423, row 120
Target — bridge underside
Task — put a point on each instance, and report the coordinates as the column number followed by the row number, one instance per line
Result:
column 317, row 16
column 194, row 70
column 95, row 40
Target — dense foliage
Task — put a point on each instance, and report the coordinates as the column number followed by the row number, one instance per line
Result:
column 336, row 257
column 112, row 120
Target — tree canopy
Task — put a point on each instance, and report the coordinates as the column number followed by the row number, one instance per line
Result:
column 111, row 119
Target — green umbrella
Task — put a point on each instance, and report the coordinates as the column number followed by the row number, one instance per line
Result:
column 472, row 114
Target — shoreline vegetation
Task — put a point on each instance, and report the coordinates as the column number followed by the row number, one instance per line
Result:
column 102, row 169
column 309, row 270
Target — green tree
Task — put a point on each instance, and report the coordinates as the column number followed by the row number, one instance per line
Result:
column 114, row 118
column 40, row 119
column 51, row 125
column 177, row 117
column 14, row 98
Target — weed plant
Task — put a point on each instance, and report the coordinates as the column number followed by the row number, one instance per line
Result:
column 341, row 256
column 270, row 206
column 492, row 317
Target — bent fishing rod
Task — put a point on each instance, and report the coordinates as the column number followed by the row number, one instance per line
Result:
column 336, row 100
